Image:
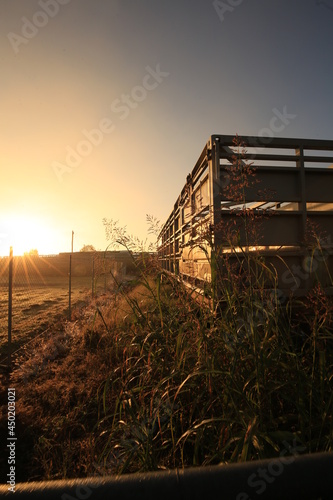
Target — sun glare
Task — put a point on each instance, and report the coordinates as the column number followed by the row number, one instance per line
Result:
column 26, row 233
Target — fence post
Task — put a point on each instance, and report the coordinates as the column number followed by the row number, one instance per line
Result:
column 10, row 304
column 93, row 276
column 104, row 270
column 70, row 289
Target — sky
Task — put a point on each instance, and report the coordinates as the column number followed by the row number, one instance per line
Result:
column 107, row 104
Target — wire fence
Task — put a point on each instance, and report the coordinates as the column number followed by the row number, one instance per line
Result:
column 37, row 290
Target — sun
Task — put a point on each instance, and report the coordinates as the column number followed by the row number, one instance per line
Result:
column 24, row 233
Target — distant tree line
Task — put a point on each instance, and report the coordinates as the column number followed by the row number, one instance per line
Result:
column 88, row 248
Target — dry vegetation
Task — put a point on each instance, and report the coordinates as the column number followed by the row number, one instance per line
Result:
column 147, row 379
column 35, row 305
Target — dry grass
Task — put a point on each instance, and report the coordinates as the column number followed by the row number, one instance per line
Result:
column 34, row 307
column 57, row 378
column 146, row 379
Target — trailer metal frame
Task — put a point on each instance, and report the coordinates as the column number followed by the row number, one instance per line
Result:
column 296, row 177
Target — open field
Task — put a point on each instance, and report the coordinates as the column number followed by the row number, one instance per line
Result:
column 38, row 305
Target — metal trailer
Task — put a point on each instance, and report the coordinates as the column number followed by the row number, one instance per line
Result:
column 293, row 190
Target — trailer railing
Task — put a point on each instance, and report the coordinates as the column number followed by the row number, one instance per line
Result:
column 293, row 184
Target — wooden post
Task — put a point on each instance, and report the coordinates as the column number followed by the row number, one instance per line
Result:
column 10, row 304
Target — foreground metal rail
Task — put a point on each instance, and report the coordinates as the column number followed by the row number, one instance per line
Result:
column 307, row 477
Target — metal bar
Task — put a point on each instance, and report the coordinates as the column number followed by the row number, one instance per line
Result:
column 308, row 477
column 318, row 159
column 302, row 203
column 282, row 158
column 70, row 289
column 10, row 304
column 277, row 142
column 215, row 193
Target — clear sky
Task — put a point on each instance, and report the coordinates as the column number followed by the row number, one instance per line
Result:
column 107, row 104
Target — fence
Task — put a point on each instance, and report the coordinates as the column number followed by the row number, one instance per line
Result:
column 290, row 190
column 36, row 290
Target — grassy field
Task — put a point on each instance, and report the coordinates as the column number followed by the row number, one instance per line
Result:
column 149, row 378
column 36, row 306
column 145, row 379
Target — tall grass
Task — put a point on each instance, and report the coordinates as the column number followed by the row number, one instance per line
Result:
column 188, row 386
column 196, row 389
column 153, row 379
column 192, row 385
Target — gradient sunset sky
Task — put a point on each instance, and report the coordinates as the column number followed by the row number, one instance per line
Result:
column 157, row 78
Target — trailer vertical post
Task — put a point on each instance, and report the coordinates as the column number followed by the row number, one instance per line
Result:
column 302, row 204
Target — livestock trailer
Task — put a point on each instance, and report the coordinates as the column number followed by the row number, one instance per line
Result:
column 264, row 196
